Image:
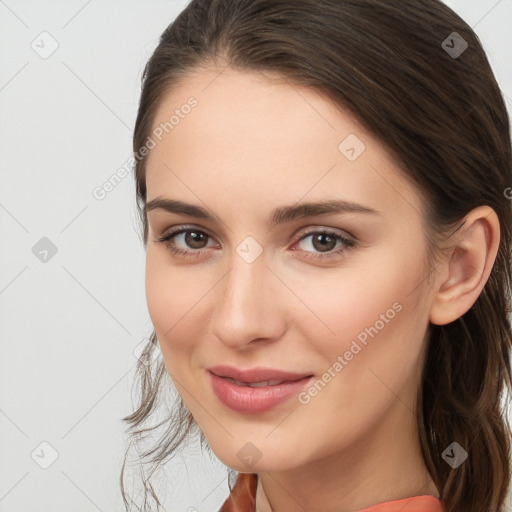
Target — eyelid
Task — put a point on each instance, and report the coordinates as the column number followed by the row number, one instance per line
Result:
column 347, row 242
column 180, row 228
column 305, row 231
column 316, row 227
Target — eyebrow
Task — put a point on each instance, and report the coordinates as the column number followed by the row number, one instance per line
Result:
column 279, row 215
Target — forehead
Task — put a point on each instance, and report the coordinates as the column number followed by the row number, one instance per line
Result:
column 250, row 108
column 259, row 135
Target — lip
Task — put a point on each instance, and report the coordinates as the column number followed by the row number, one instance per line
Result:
column 256, row 374
column 253, row 400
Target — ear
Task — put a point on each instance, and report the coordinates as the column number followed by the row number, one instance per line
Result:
column 467, row 266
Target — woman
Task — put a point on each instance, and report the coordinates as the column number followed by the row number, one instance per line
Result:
column 324, row 190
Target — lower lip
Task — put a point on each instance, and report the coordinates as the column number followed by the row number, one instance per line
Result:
column 254, row 400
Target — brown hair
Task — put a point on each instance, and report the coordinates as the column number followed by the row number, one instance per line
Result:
column 444, row 120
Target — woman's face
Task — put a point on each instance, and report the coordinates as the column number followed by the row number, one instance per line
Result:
column 265, row 282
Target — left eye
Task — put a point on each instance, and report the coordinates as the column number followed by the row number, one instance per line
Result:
column 325, row 242
column 322, row 241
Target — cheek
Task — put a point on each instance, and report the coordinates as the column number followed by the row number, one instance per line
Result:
column 376, row 304
column 373, row 358
column 177, row 303
column 343, row 302
column 159, row 292
column 384, row 343
column 169, row 295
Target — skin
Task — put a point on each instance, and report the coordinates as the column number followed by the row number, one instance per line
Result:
column 254, row 143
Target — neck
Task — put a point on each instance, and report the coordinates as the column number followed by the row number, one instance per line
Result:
column 380, row 466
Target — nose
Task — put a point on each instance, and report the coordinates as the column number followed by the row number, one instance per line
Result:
column 249, row 305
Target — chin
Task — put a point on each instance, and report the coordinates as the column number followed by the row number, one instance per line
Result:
column 256, row 461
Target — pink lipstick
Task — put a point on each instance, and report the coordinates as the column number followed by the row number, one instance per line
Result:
column 255, row 390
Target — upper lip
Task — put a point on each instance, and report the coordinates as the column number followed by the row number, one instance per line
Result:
column 257, row 374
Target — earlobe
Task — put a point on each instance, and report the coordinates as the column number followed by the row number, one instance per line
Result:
column 469, row 266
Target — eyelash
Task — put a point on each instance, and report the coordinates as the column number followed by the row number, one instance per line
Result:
column 167, row 240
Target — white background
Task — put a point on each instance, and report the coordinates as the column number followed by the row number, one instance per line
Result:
column 69, row 326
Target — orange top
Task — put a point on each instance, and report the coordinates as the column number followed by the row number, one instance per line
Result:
column 242, row 498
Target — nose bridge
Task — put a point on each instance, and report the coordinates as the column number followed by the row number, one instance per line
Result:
column 245, row 302
column 244, row 287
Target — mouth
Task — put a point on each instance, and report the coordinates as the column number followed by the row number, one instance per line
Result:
column 260, row 384
column 252, row 396
column 257, row 375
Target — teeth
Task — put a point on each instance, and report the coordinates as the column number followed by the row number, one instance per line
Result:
column 256, row 384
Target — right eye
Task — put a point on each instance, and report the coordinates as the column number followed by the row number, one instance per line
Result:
column 186, row 236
